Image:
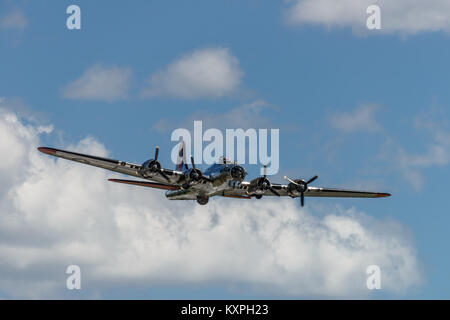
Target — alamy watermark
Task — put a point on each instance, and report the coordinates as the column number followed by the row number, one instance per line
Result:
column 73, row 281
column 73, row 21
column 232, row 147
column 373, row 22
column 374, row 279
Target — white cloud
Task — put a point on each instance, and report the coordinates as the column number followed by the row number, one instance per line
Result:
column 362, row 119
column 203, row 73
column 100, row 83
column 57, row 213
column 436, row 154
column 14, row 20
column 399, row 16
column 249, row 115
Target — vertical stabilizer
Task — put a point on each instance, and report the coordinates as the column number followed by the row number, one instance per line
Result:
column 181, row 160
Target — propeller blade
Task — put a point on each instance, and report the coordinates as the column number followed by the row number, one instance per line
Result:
column 192, row 161
column 290, row 180
column 206, row 179
column 302, row 199
column 186, row 166
column 274, row 191
column 265, row 170
column 163, row 175
column 156, row 152
column 311, row 180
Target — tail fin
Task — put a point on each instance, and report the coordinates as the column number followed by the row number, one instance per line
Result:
column 181, row 161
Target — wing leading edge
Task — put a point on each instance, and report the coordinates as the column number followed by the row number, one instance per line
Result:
column 105, row 163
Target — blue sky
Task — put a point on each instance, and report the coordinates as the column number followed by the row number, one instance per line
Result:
column 362, row 109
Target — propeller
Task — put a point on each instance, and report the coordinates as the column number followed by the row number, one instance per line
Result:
column 195, row 175
column 268, row 182
column 301, row 186
column 155, row 166
column 262, row 183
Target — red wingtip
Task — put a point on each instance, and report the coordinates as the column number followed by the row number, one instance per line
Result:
column 382, row 195
column 49, row 151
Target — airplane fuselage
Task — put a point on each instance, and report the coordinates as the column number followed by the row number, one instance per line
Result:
column 221, row 176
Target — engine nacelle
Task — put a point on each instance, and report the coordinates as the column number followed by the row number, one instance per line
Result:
column 150, row 167
column 195, row 174
column 236, row 172
column 259, row 186
column 298, row 188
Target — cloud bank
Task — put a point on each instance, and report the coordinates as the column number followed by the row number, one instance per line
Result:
column 54, row 213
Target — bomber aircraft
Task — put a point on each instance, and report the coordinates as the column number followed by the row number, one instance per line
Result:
column 225, row 178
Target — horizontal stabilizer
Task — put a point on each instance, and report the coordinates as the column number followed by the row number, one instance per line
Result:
column 146, row 184
column 236, row 196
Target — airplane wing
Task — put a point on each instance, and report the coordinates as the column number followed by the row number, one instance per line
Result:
column 282, row 190
column 343, row 193
column 109, row 164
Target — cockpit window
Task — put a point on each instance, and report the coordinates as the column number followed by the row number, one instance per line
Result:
column 224, row 160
